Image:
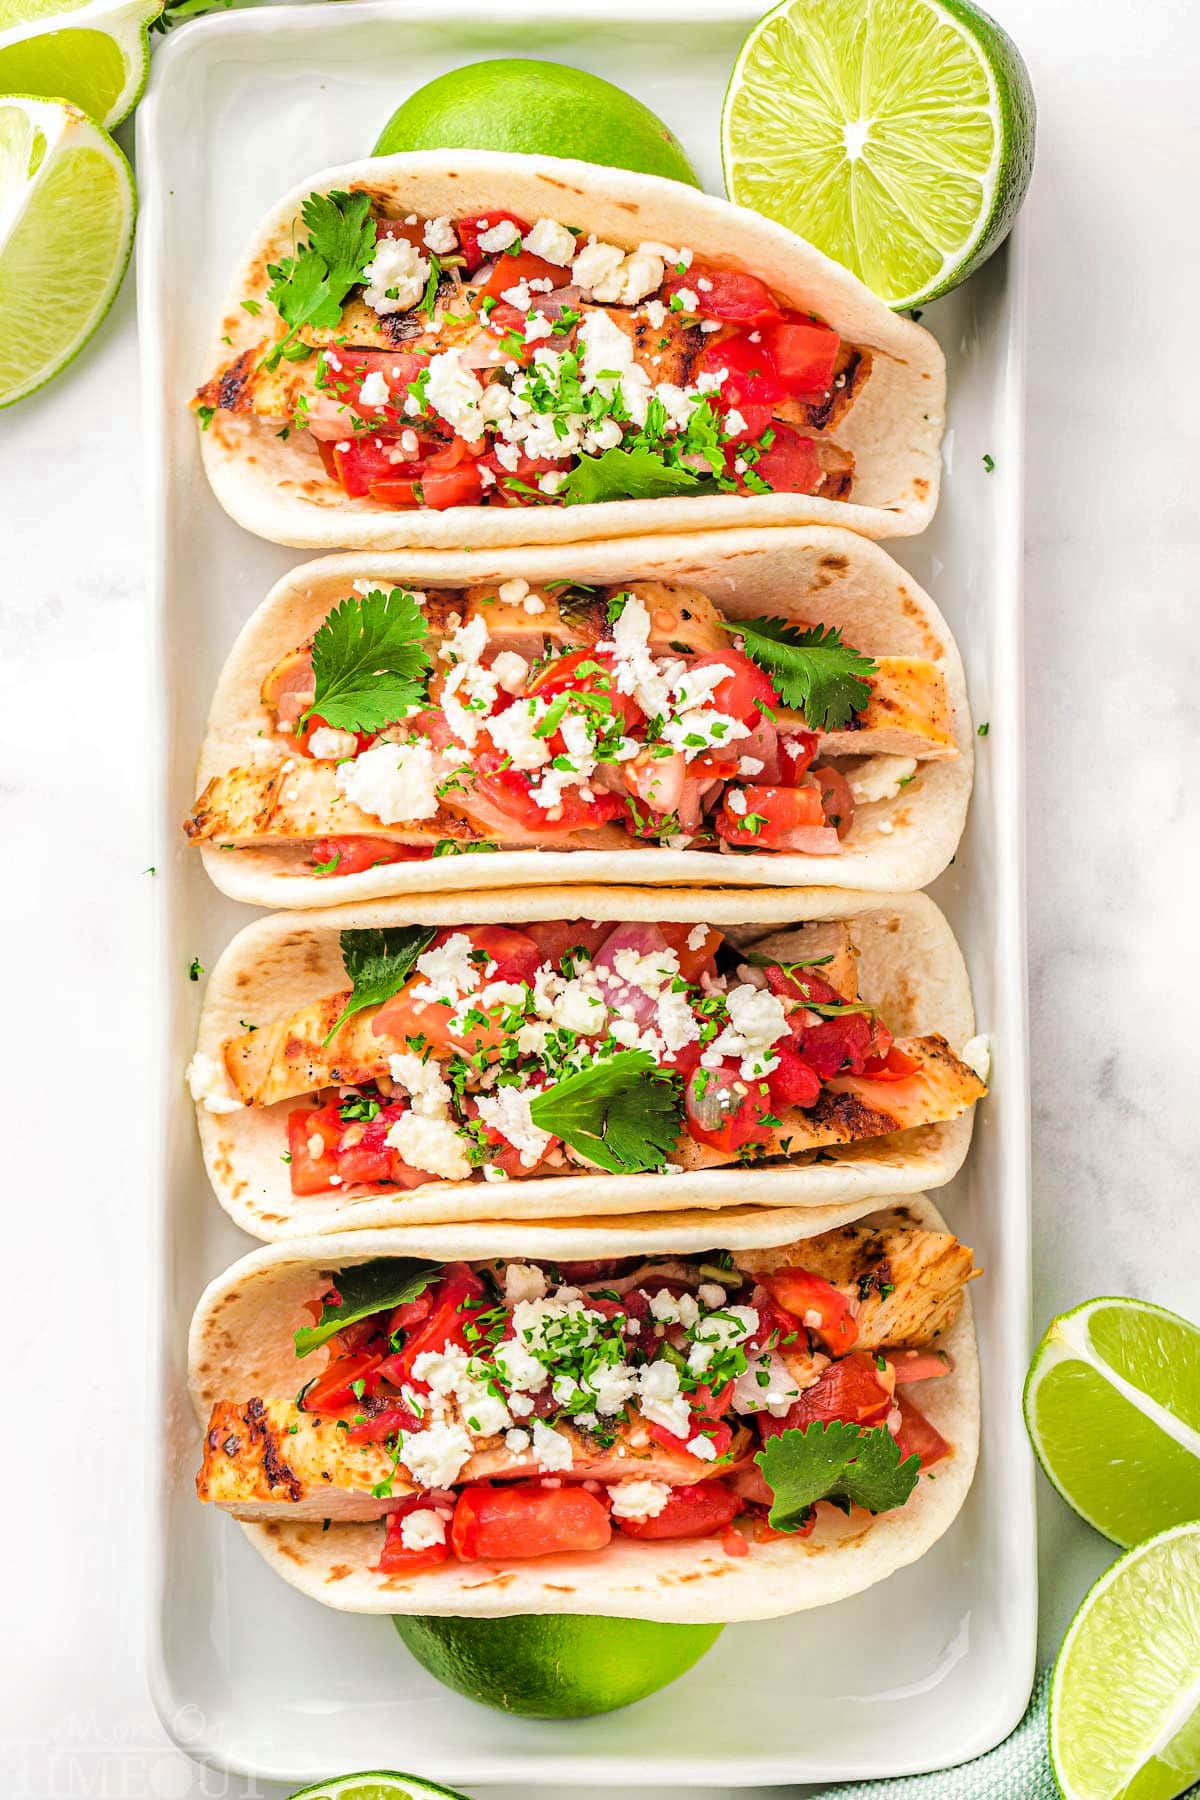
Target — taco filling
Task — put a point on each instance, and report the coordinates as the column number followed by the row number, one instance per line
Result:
column 413, row 724
column 500, row 361
column 499, row 1053
column 495, row 1411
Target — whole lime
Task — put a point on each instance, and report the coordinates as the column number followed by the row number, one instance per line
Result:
column 538, row 109
column 547, row 1666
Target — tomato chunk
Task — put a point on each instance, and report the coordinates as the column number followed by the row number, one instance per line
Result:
column 470, row 230
column 696, row 1511
column 332, row 1390
column 769, row 817
column 805, row 354
column 852, row 1388
column 504, row 1523
column 791, row 465
column 313, row 1135
column 396, row 1558
column 453, row 1305
column 818, row 1305
column 524, row 266
column 351, row 855
column 744, row 693
column 725, row 1111
column 727, row 294
column 751, row 377
column 917, row 1437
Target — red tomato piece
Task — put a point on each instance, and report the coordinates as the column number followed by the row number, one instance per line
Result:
column 453, row 1305
column 793, row 1081
column 791, row 465
column 897, row 1065
column 435, row 489
column 805, row 355
column 726, row 1112
column 331, row 1391
column 852, row 1388
column 400, row 228
column 383, row 1425
column 837, row 799
column 796, row 752
column 696, row 1511
column 771, row 815
column 693, row 962
column 508, row 791
column 343, row 377
column 917, row 1437
column 396, row 1558
column 313, row 1135
column 756, row 417
column 585, row 672
column 503, row 1523
column 515, row 953
column 354, row 854
column 750, row 373
column 470, row 229
column 727, row 294
column 818, row 1305
column 917, row 1365
column 744, row 693
column 837, row 1046
column 524, row 266
column 555, row 937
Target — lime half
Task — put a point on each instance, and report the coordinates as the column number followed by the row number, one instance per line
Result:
column 537, row 109
column 555, row 1666
column 377, row 1784
column 96, row 55
column 895, row 135
column 1125, row 1696
column 1112, row 1403
column 67, row 207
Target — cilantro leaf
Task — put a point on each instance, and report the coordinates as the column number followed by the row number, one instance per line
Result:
column 814, row 671
column 310, row 287
column 369, row 661
column 378, row 964
column 850, row 1465
column 623, row 1113
column 370, row 1287
column 636, row 474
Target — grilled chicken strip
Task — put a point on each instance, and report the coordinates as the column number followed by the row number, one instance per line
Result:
column 905, row 1283
column 269, row 1459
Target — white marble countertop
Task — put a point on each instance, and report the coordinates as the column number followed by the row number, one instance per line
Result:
column 1113, row 666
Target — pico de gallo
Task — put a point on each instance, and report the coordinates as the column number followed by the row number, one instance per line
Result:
column 494, row 360
column 507, row 716
column 496, row 1411
column 502, row 1052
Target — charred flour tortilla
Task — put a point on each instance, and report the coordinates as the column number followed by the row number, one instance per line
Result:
column 241, row 1345
column 278, row 487
column 810, row 575
column 909, row 966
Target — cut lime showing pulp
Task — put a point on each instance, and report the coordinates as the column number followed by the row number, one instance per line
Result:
column 555, row 1666
column 1125, row 1696
column 96, row 54
column 1112, row 1404
column 377, row 1784
column 67, row 208
column 895, row 135
column 536, row 109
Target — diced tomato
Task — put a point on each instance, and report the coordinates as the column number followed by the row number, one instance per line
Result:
column 837, row 1046
column 852, row 1388
column 917, row 1437
column 470, row 229
column 400, row 228
column 316, row 723
column 343, row 383
column 509, row 791
column 691, row 1512
column 331, row 1391
column 354, row 854
column 515, row 953
column 796, row 752
column 585, row 672
column 917, row 1365
column 524, row 266
column 771, row 815
column 726, row 1112
column 897, row 1065
column 308, row 1127
column 817, row 1304
column 395, row 1558
column 744, row 693
column 381, row 1425
column 706, row 1421
column 808, row 985
column 364, row 1155
column 775, row 1326
column 526, row 474
column 359, row 462
column 791, row 465
column 503, row 1523
column 793, row 1081
column 837, row 799
column 727, row 294
column 750, row 373
column 435, row 489
column 696, row 960
column 453, row 1305
column 756, row 418
column 805, row 355
column 555, row 937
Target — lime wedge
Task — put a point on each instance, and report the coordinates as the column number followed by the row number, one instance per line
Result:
column 67, row 207
column 895, row 135
column 1112, row 1403
column 95, row 54
column 1125, row 1696
column 377, row 1784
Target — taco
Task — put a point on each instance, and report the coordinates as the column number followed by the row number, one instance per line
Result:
column 735, row 707
column 453, row 1421
column 530, row 1055
column 447, row 347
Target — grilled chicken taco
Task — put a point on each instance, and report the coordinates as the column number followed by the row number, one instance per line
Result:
column 444, row 347
column 744, row 707
column 353, row 1069
column 736, row 1428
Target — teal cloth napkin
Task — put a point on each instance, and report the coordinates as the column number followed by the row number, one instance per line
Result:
column 1017, row 1769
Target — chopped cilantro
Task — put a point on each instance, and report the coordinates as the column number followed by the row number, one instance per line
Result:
column 378, row 964
column 369, row 661
column 812, row 669
column 848, row 1465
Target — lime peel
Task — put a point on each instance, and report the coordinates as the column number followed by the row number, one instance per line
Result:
column 377, row 1784
column 95, row 54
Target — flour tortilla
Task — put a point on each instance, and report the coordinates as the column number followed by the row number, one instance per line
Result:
column 816, row 574
column 909, row 965
column 241, row 1347
column 279, row 489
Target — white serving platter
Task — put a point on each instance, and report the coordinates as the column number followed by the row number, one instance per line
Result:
column 935, row 1665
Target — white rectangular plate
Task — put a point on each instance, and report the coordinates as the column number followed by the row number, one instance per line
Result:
column 933, row 1666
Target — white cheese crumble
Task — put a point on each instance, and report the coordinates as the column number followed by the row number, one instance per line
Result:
column 434, row 1457
column 523, row 1281
column 977, row 1054
column 507, row 1111
column 422, row 1529
column 440, row 236
column 430, row 1144
column 429, row 1095
column 393, row 782
column 881, row 778
column 660, row 1399
column 206, row 1080
column 511, row 671
column 638, row 1499
column 756, row 1022
column 454, row 392
column 551, row 241
column 448, row 970
column 552, row 1451
column 499, row 236
column 328, row 745
column 395, row 278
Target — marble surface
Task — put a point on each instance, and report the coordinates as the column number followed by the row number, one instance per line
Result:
column 1113, row 669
